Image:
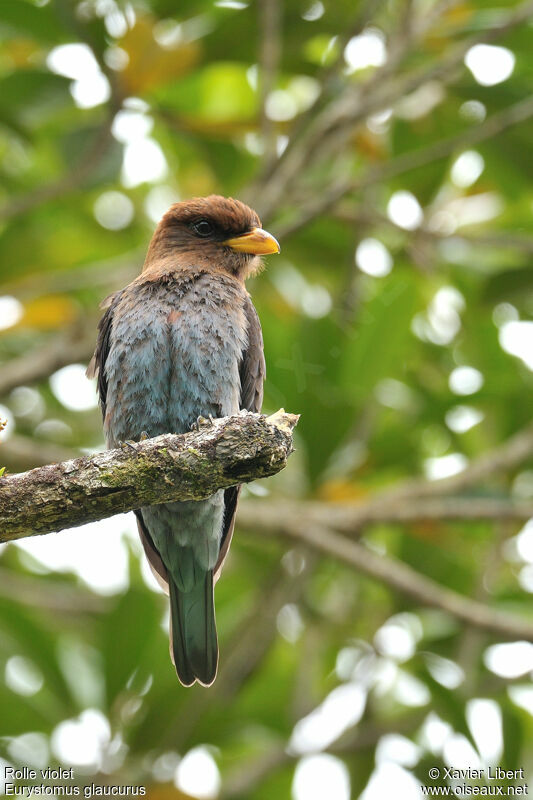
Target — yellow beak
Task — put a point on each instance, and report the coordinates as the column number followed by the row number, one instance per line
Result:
column 257, row 241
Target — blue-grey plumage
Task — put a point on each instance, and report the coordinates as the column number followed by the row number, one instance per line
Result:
column 184, row 340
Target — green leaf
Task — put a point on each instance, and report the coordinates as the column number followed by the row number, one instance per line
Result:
column 217, row 93
column 514, row 738
column 379, row 337
column 26, row 17
column 128, row 637
column 32, row 89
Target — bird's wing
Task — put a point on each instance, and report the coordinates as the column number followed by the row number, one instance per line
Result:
column 96, row 368
column 252, row 374
column 253, row 369
column 155, row 561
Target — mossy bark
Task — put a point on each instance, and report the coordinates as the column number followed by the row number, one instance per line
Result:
column 171, row 467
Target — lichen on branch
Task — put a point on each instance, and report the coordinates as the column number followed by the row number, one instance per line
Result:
column 191, row 466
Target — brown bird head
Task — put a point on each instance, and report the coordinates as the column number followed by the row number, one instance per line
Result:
column 217, row 232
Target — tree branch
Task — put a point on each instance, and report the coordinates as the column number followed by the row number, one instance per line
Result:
column 414, row 500
column 370, row 218
column 508, row 455
column 328, row 78
column 414, row 159
column 56, row 596
column 18, row 452
column 110, row 273
column 356, row 103
column 409, row 582
column 351, row 518
column 67, row 347
column 269, row 56
column 171, row 467
column 96, row 150
column 73, row 178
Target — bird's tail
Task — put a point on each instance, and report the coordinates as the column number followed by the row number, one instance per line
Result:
column 193, row 635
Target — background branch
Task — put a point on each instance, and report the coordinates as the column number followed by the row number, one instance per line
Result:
column 269, row 55
column 507, row 456
column 68, row 347
column 72, row 179
column 494, row 125
column 339, row 118
column 408, row 581
column 19, row 452
column 353, row 517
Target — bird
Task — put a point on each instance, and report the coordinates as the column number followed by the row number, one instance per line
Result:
column 182, row 341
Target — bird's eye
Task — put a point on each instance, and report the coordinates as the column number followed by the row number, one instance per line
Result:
column 202, row 227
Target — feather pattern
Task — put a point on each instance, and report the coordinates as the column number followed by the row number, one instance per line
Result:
column 185, row 344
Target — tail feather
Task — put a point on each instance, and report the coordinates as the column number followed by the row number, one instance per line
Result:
column 193, row 632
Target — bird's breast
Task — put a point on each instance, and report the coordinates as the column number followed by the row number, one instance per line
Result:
column 175, row 351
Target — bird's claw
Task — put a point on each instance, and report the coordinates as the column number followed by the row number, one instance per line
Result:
column 127, row 444
column 201, row 422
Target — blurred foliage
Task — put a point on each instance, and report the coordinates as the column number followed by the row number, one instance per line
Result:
column 365, row 358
